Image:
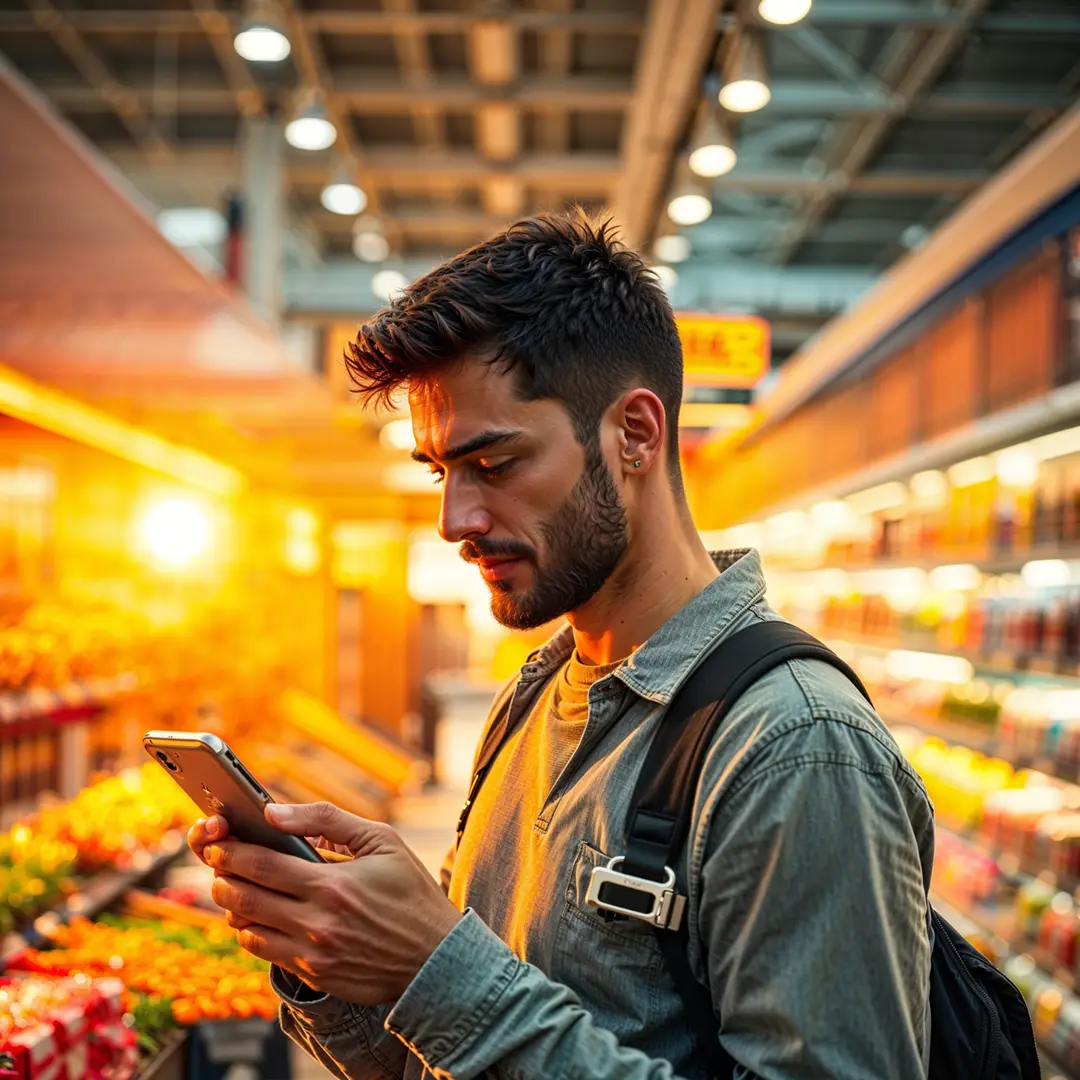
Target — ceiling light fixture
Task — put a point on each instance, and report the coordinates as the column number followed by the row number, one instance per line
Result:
column 261, row 38
column 746, row 79
column 369, row 243
column 311, row 129
column 669, row 278
column 673, row 248
column 784, row 12
column 713, row 154
column 343, row 196
column 386, row 284
column 690, row 204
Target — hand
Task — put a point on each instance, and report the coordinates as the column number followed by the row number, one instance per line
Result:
column 358, row 930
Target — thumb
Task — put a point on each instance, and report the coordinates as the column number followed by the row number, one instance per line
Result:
column 334, row 825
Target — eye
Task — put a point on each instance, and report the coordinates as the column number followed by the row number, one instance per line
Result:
column 491, row 472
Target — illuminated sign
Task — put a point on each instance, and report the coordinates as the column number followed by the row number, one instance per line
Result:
column 724, row 350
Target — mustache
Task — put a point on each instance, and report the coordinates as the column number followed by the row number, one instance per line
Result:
column 472, row 551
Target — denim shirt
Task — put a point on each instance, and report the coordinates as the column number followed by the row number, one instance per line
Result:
column 807, row 870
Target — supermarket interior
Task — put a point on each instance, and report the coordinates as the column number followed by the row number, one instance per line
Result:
column 866, row 216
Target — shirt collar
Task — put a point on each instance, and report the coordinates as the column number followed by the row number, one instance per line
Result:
column 659, row 667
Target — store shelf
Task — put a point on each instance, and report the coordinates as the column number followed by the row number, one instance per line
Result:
column 1000, row 664
column 169, row 1063
column 100, row 893
column 30, row 711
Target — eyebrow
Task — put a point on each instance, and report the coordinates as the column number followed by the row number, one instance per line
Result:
column 486, row 440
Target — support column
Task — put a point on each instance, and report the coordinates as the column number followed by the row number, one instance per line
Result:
column 264, row 214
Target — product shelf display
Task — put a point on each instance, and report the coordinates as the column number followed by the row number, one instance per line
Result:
column 955, row 594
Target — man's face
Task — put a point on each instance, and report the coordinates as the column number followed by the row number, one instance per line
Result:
column 538, row 514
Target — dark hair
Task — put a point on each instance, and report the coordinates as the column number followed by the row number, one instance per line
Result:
column 558, row 300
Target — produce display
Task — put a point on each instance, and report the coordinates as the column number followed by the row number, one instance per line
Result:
column 201, row 973
column 117, row 823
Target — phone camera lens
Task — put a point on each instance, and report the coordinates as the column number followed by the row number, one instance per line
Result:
column 163, row 757
column 171, row 767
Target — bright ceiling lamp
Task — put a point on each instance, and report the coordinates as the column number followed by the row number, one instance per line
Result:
column 673, row 248
column 397, row 435
column 690, row 204
column 343, row 196
column 261, row 38
column 713, row 154
column 784, row 12
column 746, row 80
column 369, row 243
column 311, row 129
column 386, row 284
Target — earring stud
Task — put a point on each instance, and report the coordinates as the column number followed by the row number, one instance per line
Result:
column 637, row 463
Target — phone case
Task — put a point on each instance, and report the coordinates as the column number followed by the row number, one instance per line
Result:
column 216, row 781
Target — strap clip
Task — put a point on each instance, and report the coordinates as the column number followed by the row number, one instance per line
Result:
column 667, row 907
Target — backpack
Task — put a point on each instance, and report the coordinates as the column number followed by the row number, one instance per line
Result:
column 980, row 1026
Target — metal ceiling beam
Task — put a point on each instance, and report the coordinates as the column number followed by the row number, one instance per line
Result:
column 414, row 57
column 721, row 233
column 218, row 29
column 781, row 181
column 678, row 39
column 911, row 66
column 407, row 169
column 899, row 13
column 387, row 95
column 342, row 287
column 134, row 112
column 791, row 97
column 340, row 22
column 844, row 66
column 556, row 58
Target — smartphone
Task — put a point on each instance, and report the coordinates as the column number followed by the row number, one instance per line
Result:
column 216, row 781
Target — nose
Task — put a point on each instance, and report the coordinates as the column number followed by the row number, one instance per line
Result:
column 461, row 514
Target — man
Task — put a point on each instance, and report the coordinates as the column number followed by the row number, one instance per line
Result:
column 545, row 377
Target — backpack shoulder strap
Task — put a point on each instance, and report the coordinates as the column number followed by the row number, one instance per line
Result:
column 663, row 800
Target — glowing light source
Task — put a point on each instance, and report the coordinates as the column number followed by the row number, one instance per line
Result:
column 876, row 499
column 976, row 470
column 386, row 284
column 261, row 38
column 746, row 86
column 397, row 435
column 1046, row 573
column 186, row 226
column 961, row 577
column 1016, row 466
column 930, row 487
column 713, row 154
column 1056, row 444
column 690, row 205
column 673, row 248
column 905, row 666
column 176, row 532
column 343, row 196
column 668, row 277
column 784, row 12
column 831, row 517
column 369, row 245
column 311, row 129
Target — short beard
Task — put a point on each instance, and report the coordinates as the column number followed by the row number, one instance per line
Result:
column 584, row 542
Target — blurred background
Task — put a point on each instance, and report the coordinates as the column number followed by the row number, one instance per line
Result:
column 865, row 212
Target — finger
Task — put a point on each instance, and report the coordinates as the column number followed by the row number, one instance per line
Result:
column 205, row 831
column 334, row 825
column 237, row 922
column 283, row 873
column 258, row 905
column 274, row 947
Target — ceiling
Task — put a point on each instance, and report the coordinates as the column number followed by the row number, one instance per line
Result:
column 458, row 115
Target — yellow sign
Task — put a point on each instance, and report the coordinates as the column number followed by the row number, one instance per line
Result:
column 730, row 351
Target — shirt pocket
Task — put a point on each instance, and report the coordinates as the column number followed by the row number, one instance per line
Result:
column 614, row 966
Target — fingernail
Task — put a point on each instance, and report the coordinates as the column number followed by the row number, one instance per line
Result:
column 280, row 815
column 211, row 854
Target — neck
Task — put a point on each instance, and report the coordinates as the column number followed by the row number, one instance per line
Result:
column 665, row 567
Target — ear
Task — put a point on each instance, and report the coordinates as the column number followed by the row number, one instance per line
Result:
column 643, row 431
